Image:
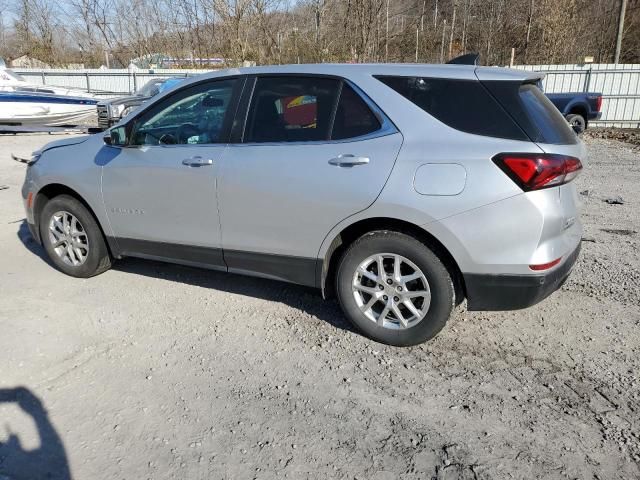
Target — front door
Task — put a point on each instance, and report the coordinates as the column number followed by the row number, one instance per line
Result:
column 160, row 190
column 313, row 153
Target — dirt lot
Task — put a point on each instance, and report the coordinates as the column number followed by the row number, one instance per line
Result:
column 159, row 371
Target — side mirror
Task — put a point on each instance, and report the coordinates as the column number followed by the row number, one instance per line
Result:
column 116, row 137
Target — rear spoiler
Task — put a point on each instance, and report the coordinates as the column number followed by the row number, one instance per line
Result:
column 496, row 73
column 487, row 74
column 466, row 59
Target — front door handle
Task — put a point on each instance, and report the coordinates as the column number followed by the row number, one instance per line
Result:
column 197, row 162
column 348, row 160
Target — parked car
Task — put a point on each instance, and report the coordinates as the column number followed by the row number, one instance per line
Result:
column 578, row 108
column 361, row 180
column 112, row 111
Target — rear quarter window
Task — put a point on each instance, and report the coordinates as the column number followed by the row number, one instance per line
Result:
column 353, row 117
column 465, row 105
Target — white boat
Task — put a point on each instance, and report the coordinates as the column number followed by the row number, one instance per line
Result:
column 25, row 104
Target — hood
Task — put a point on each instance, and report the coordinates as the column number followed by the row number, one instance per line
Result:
column 65, row 142
column 123, row 100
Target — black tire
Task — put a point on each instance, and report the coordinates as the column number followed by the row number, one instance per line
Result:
column 437, row 275
column 97, row 259
column 577, row 122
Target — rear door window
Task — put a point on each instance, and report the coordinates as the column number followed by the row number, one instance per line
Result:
column 304, row 109
column 291, row 109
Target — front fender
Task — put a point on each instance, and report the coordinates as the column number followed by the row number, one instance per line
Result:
column 74, row 168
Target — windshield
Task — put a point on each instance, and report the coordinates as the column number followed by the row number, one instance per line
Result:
column 151, row 88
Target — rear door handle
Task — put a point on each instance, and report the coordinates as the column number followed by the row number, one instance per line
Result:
column 348, row 160
column 197, row 162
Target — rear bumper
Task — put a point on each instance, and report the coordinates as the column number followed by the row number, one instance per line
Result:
column 514, row 292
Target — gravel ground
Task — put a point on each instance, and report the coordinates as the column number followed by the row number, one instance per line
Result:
column 160, row 371
column 628, row 135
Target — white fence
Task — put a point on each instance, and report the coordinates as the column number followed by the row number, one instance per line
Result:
column 108, row 83
column 619, row 84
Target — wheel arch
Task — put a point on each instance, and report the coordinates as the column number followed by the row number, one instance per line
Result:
column 580, row 109
column 352, row 232
column 53, row 190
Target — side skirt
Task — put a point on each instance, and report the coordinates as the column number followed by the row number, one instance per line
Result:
column 299, row 270
column 171, row 252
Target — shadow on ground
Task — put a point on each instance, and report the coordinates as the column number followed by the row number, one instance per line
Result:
column 29, row 242
column 303, row 298
column 49, row 460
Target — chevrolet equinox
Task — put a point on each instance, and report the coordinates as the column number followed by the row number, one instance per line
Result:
column 400, row 189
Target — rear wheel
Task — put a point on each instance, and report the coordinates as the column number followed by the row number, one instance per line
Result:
column 577, row 122
column 72, row 238
column 394, row 289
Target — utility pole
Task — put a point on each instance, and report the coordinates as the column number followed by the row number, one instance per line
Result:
column 2, row 39
column 435, row 16
column 453, row 26
column 623, row 9
column 529, row 22
column 386, row 38
column 417, row 42
column 317, row 12
column 444, row 29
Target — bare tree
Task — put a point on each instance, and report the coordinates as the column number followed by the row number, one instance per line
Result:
column 289, row 31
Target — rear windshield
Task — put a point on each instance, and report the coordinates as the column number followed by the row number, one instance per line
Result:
column 550, row 125
column 534, row 112
column 461, row 104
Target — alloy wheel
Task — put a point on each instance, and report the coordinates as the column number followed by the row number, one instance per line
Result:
column 391, row 291
column 68, row 238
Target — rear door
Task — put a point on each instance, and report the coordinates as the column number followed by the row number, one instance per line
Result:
column 313, row 151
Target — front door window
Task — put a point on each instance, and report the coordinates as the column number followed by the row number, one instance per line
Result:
column 194, row 115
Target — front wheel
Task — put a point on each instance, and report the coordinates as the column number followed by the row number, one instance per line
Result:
column 72, row 238
column 394, row 289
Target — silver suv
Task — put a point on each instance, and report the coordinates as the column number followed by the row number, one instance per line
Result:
column 401, row 189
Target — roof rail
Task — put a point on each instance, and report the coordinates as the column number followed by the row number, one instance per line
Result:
column 466, row 59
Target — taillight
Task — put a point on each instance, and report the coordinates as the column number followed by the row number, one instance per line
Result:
column 533, row 171
column 598, row 103
column 545, row 266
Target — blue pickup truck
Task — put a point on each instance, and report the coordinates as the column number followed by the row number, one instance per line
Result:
column 578, row 108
